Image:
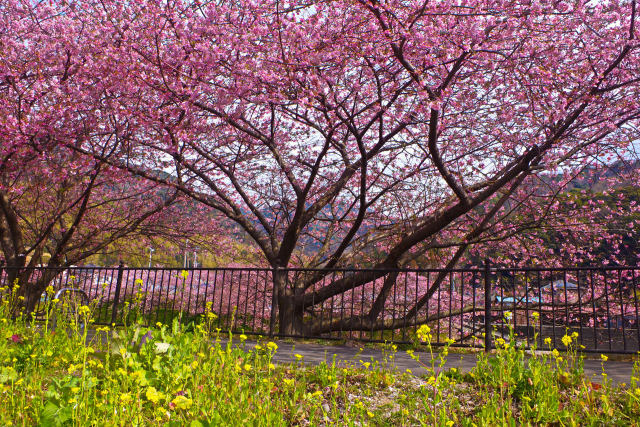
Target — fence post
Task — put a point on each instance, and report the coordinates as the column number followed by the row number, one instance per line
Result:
column 487, row 305
column 116, row 298
column 274, row 301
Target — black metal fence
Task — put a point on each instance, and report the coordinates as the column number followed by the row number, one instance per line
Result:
column 470, row 306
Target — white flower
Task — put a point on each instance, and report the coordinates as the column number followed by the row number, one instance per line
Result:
column 162, row 347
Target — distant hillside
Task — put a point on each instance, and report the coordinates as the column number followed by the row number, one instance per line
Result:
column 596, row 178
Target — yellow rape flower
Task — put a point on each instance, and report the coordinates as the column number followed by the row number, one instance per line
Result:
column 84, row 310
column 153, row 395
column 182, row 402
column 424, row 333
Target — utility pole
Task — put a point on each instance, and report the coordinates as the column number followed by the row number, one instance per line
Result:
column 186, row 248
column 151, row 250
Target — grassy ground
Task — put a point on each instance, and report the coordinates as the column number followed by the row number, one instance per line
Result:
column 190, row 377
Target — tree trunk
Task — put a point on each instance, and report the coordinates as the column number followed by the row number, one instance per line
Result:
column 32, row 288
column 290, row 309
column 32, row 296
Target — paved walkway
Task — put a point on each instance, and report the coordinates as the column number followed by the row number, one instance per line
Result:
column 617, row 372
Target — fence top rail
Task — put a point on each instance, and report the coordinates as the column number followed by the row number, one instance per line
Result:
column 478, row 270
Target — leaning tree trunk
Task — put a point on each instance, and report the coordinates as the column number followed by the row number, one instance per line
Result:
column 31, row 288
column 18, row 280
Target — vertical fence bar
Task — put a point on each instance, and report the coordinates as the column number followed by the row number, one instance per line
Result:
column 516, row 301
column 526, row 305
column 342, row 309
column 361, row 312
column 230, row 309
column 487, row 306
column 566, row 298
column 274, row 301
column 451, row 288
column 622, row 312
column 353, row 298
column 461, row 336
column 635, row 303
column 553, row 311
column 237, row 306
column 593, row 311
column 221, row 305
column 90, row 294
column 404, row 310
column 393, row 309
column 474, row 280
column 213, row 302
column 123, row 291
column 188, row 310
column 324, row 280
column 606, row 297
column 255, row 301
column 373, row 300
column 114, row 310
column 247, row 285
column 439, row 311
column 161, row 306
column 579, row 307
column 264, row 302
column 332, row 309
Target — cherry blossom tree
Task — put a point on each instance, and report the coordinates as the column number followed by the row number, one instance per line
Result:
column 58, row 207
column 330, row 129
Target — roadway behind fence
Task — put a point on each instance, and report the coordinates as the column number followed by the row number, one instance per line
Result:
column 600, row 304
